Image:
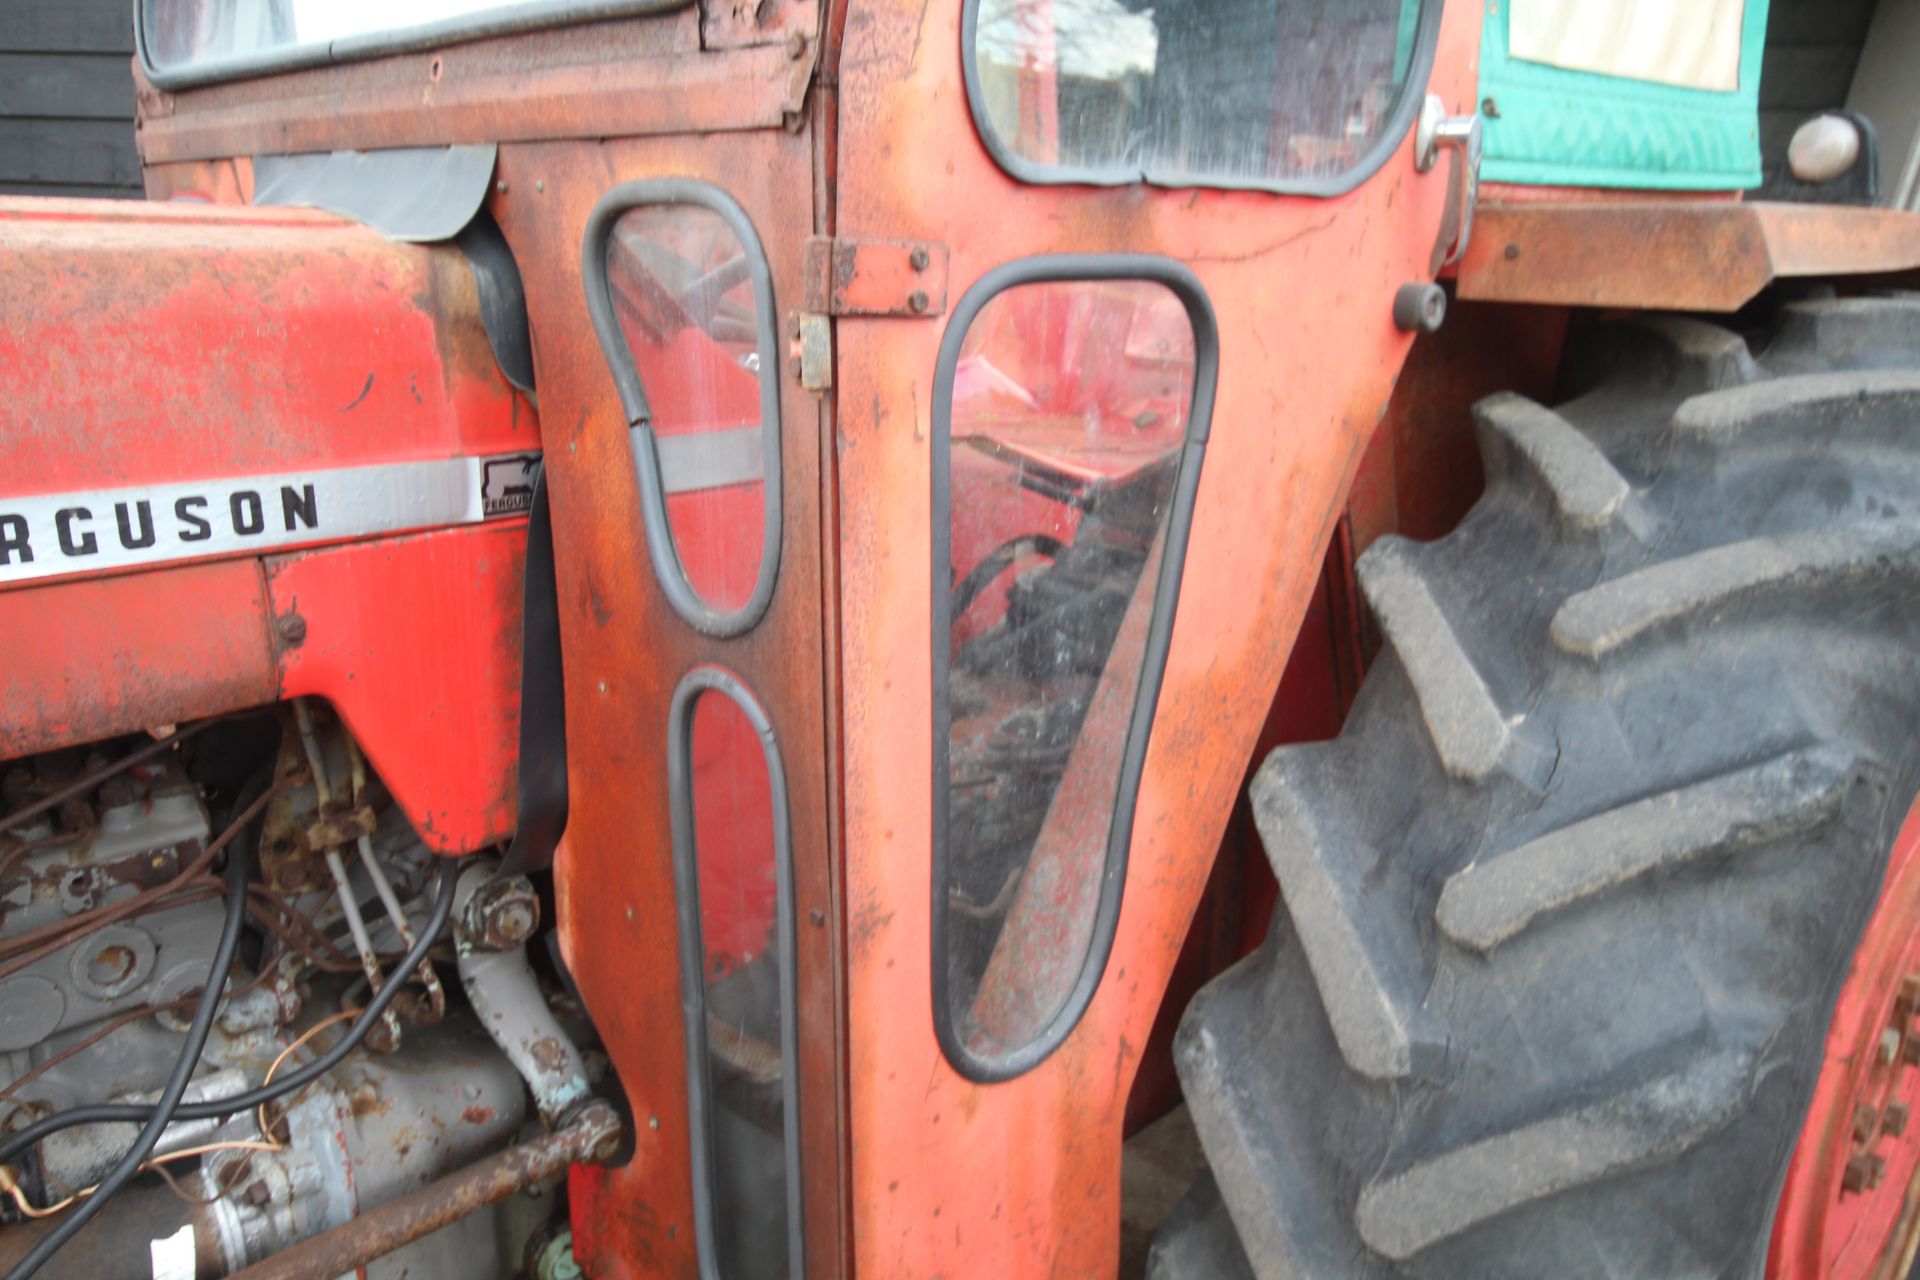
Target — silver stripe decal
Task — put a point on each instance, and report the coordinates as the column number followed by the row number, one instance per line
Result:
column 710, row 459
column 51, row 534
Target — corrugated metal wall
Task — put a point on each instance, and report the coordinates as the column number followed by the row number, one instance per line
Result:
column 66, row 98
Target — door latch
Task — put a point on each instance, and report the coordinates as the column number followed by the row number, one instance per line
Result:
column 1437, row 132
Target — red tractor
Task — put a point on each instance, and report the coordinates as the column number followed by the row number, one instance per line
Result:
column 632, row 635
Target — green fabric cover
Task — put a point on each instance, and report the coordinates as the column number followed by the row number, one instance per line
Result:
column 1548, row 126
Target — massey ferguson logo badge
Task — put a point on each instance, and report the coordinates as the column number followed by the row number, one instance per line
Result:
column 49, row 534
column 506, row 484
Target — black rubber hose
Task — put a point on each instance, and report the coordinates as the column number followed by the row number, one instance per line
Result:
column 162, row 1112
column 997, row 562
column 101, row 1113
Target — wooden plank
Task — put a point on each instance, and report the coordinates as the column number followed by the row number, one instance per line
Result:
column 87, row 152
column 77, row 86
column 66, row 26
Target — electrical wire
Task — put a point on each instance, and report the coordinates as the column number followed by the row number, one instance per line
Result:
column 266, row 1127
column 134, row 1113
column 98, row 776
column 162, row 1112
column 128, row 1018
column 13, row 1188
column 55, row 937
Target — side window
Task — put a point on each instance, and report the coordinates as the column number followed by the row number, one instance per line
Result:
column 1071, row 406
column 733, row 878
column 1288, row 95
column 683, row 302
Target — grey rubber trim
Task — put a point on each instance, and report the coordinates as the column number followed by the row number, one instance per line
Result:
column 667, row 569
column 417, row 194
column 1185, row 286
column 503, row 299
column 693, row 992
column 423, row 35
column 1405, row 107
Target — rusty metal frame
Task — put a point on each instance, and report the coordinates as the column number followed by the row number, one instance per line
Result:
column 1676, row 255
column 1184, row 285
column 702, row 680
column 627, row 77
column 1406, row 106
column 406, row 39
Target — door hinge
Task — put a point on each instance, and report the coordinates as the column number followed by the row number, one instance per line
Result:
column 904, row 278
column 810, row 349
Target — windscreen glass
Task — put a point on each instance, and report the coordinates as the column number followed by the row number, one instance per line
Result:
column 736, row 853
column 1189, row 92
column 178, row 34
column 1067, row 427
column 681, row 284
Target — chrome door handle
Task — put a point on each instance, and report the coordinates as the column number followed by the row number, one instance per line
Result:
column 1437, row 132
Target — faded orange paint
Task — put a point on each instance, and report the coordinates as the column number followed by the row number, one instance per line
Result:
column 1021, row 1179
column 909, row 1170
column 183, row 342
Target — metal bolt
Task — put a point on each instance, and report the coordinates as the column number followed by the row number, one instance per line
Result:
column 112, row 964
column 1490, row 109
column 1889, row 1046
column 503, row 913
column 501, row 186
column 1512, row 252
column 293, row 629
column 817, row 916
column 1910, row 1052
column 1865, row 1121
column 1894, row 1122
column 796, row 46
column 917, row 302
column 919, row 258
column 257, row 1193
column 1863, row 1173
column 653, row 1122
column 539, row 184
column 1419, row 307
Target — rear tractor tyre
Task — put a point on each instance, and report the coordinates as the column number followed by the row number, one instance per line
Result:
column 1569, row 905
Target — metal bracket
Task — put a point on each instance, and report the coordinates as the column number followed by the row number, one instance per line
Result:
column 904, row 278
column 1437, row 132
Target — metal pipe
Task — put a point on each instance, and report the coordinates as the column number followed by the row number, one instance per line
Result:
column 363, row 942
column 591, row 1137
column 436, row 995
column 506, row 997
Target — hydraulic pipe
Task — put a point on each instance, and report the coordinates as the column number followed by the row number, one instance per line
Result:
column 591, row 1137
